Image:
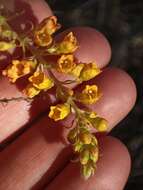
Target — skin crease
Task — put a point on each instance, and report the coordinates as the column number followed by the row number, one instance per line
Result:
column 32, row 154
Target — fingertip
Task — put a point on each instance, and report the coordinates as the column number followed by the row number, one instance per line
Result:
column 114, row 165
column 40, row 8
column 107, row 143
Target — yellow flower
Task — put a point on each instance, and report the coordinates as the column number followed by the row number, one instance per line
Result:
column 68, row 45
column 5, row 46
column 59, row 112
column 41, row 81
column 18, row 69
column 42, row 35
column 89, row 95
column 89, row 71
column 66, row 63
column 31, row 91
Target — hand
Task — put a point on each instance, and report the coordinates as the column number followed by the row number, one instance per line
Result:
column 38, row 157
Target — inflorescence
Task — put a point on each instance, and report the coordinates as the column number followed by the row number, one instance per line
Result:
column 60, row 57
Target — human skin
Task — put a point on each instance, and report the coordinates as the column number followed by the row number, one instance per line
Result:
column 38, row 158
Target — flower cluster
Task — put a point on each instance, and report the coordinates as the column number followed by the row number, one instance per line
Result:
column 38, row 71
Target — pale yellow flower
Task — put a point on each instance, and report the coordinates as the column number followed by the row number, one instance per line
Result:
column 41, row 81
column 59, row 112
column 18, row 69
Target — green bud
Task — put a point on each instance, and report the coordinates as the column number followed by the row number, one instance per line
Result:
column 87, row 171
column 84, row 157
column 78, row 147
column 94, row 154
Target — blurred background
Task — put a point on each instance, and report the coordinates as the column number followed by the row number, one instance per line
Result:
column 121, row 21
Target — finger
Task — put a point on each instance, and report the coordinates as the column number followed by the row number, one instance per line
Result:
column 38, row 150
column 112, row 170
column 27, row 112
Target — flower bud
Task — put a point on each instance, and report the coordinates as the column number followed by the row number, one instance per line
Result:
column 100, row 124
column 84, row 157
column 87, row 170
column 94, row 154
column 72, row 135
column 85, row 137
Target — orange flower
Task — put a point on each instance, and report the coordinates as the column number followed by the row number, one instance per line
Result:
column 43, row 33
column 66, row 63
column 67, row 46
column 18, row 69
